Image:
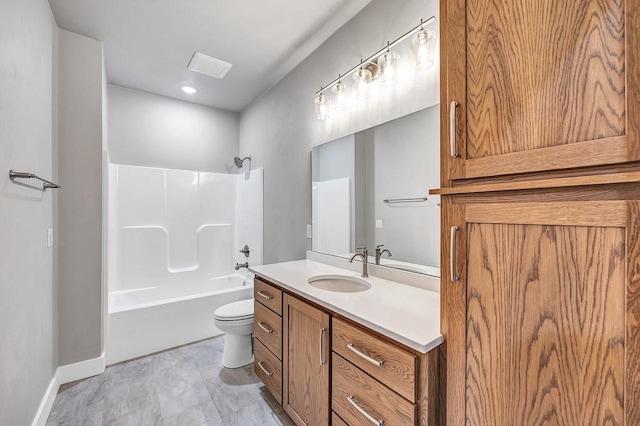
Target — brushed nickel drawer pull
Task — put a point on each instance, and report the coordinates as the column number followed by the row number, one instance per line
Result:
column 452, row 128
column 264, row 369
column 452, row 253
column 265, row 295
column 352, row 401
column 261, row 325
column 322, row 360
column 353, row 349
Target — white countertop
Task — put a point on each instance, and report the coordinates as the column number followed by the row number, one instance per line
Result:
column 406, row 314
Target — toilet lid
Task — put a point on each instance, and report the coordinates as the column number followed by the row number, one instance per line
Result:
column 235, row 311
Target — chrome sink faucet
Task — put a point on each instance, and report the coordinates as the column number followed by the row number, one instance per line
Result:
column 380, row 252
column 365, row 260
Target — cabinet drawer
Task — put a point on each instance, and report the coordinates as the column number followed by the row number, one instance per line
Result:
column 269, row 369
column 268, row 295
column 268, row 329
column 384, row 361
column 336, row 420
column 360, row 399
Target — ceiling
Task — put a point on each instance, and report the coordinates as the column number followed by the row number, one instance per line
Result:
column 149, row 43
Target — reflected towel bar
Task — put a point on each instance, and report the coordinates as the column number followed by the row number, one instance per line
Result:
column 25, row 175
column 406, row 200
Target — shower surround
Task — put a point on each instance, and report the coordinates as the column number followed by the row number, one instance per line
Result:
column 174, row 239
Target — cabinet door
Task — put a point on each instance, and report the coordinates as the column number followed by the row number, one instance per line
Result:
column 306, row 363
column 539, row 85
column 542, row 323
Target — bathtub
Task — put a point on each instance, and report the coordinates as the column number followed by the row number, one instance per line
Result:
column 154, row 318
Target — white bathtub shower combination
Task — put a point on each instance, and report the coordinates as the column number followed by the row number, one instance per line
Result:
column 174, row 241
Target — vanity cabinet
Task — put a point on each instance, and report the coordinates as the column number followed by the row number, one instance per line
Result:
column 334, row 371
column 541, row 307
column 530, row 86
column 267, row 329
column 306, row 363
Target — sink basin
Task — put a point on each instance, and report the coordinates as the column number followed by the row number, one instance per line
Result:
column 339, row 283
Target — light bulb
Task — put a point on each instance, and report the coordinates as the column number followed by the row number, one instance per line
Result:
column 388, row 63
column 322, row 109
column 189, row 90
column 362, row 79
column 340, row 97
column 423, row 46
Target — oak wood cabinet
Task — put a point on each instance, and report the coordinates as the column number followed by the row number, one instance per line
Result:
column 306, row 363
column 541, row 307
column 530, row 86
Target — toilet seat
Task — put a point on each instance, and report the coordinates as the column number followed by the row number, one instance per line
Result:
column 235, row 311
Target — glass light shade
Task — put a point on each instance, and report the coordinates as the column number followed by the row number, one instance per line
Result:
column 362, row 79
column 423, row 45
column 340, row 97
column 322, row 109
column 388, row 63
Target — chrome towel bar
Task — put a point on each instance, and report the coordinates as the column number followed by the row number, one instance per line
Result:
column 406, row 200
column 13, row 175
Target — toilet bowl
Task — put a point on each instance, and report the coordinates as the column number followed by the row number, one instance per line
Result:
column 236, row 321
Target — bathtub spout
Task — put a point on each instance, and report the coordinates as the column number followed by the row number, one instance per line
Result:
column 242, row 265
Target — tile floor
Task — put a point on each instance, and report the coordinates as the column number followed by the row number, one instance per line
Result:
column 183, row 386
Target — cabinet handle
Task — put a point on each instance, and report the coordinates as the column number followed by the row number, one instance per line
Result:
column 267, row 372
column 452, row 128
column 268, row 330
column 322, row 360
column 265, row 295
column 452, row 254
column 352, row 401
column 353, row 349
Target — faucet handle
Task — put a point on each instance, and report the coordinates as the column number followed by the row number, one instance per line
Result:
column 361, row 248
column 379, row 245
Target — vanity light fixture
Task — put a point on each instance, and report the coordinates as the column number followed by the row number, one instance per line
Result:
column 423, row 45
column 383, row 63
column 322, row 108
column 388, row 63
column 340, row 96
column 362, row 79
column 189, row 90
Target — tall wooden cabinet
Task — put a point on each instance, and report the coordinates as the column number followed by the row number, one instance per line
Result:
column 307, row 352
column 529, row 85
column 541, row 211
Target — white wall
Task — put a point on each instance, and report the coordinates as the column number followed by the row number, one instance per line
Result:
column 279, row 129
column 27, row 295
column 80, row 142
column 154, row 131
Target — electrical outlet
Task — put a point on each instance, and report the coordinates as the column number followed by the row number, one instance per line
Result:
column 49, row 237
column 309, row 230
column 379, row 224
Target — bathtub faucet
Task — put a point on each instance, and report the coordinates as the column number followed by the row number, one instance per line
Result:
column 242, row 265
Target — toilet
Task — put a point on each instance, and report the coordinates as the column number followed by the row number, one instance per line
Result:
column 236, row 321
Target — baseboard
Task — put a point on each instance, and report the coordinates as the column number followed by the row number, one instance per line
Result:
column 47, row 402
column 81, row 370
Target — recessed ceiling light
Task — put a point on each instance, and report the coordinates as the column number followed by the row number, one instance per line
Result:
column 189, row 90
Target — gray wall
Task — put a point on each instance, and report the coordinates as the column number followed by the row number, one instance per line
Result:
column 279, row 129
column 27, row 314
column 80, row 140
column 407, row 164
column 154, row 131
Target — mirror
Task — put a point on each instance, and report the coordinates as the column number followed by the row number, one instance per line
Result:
column 371, row 188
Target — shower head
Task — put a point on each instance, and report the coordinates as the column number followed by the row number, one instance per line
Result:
column 239, row 161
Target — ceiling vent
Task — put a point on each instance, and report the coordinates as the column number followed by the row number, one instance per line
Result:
column 209, row 65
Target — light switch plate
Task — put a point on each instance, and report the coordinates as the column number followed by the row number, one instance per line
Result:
column 379, row 224
column 49, row 237
column 308, row 231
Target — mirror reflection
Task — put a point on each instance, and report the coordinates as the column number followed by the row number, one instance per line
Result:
column 370, row 189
